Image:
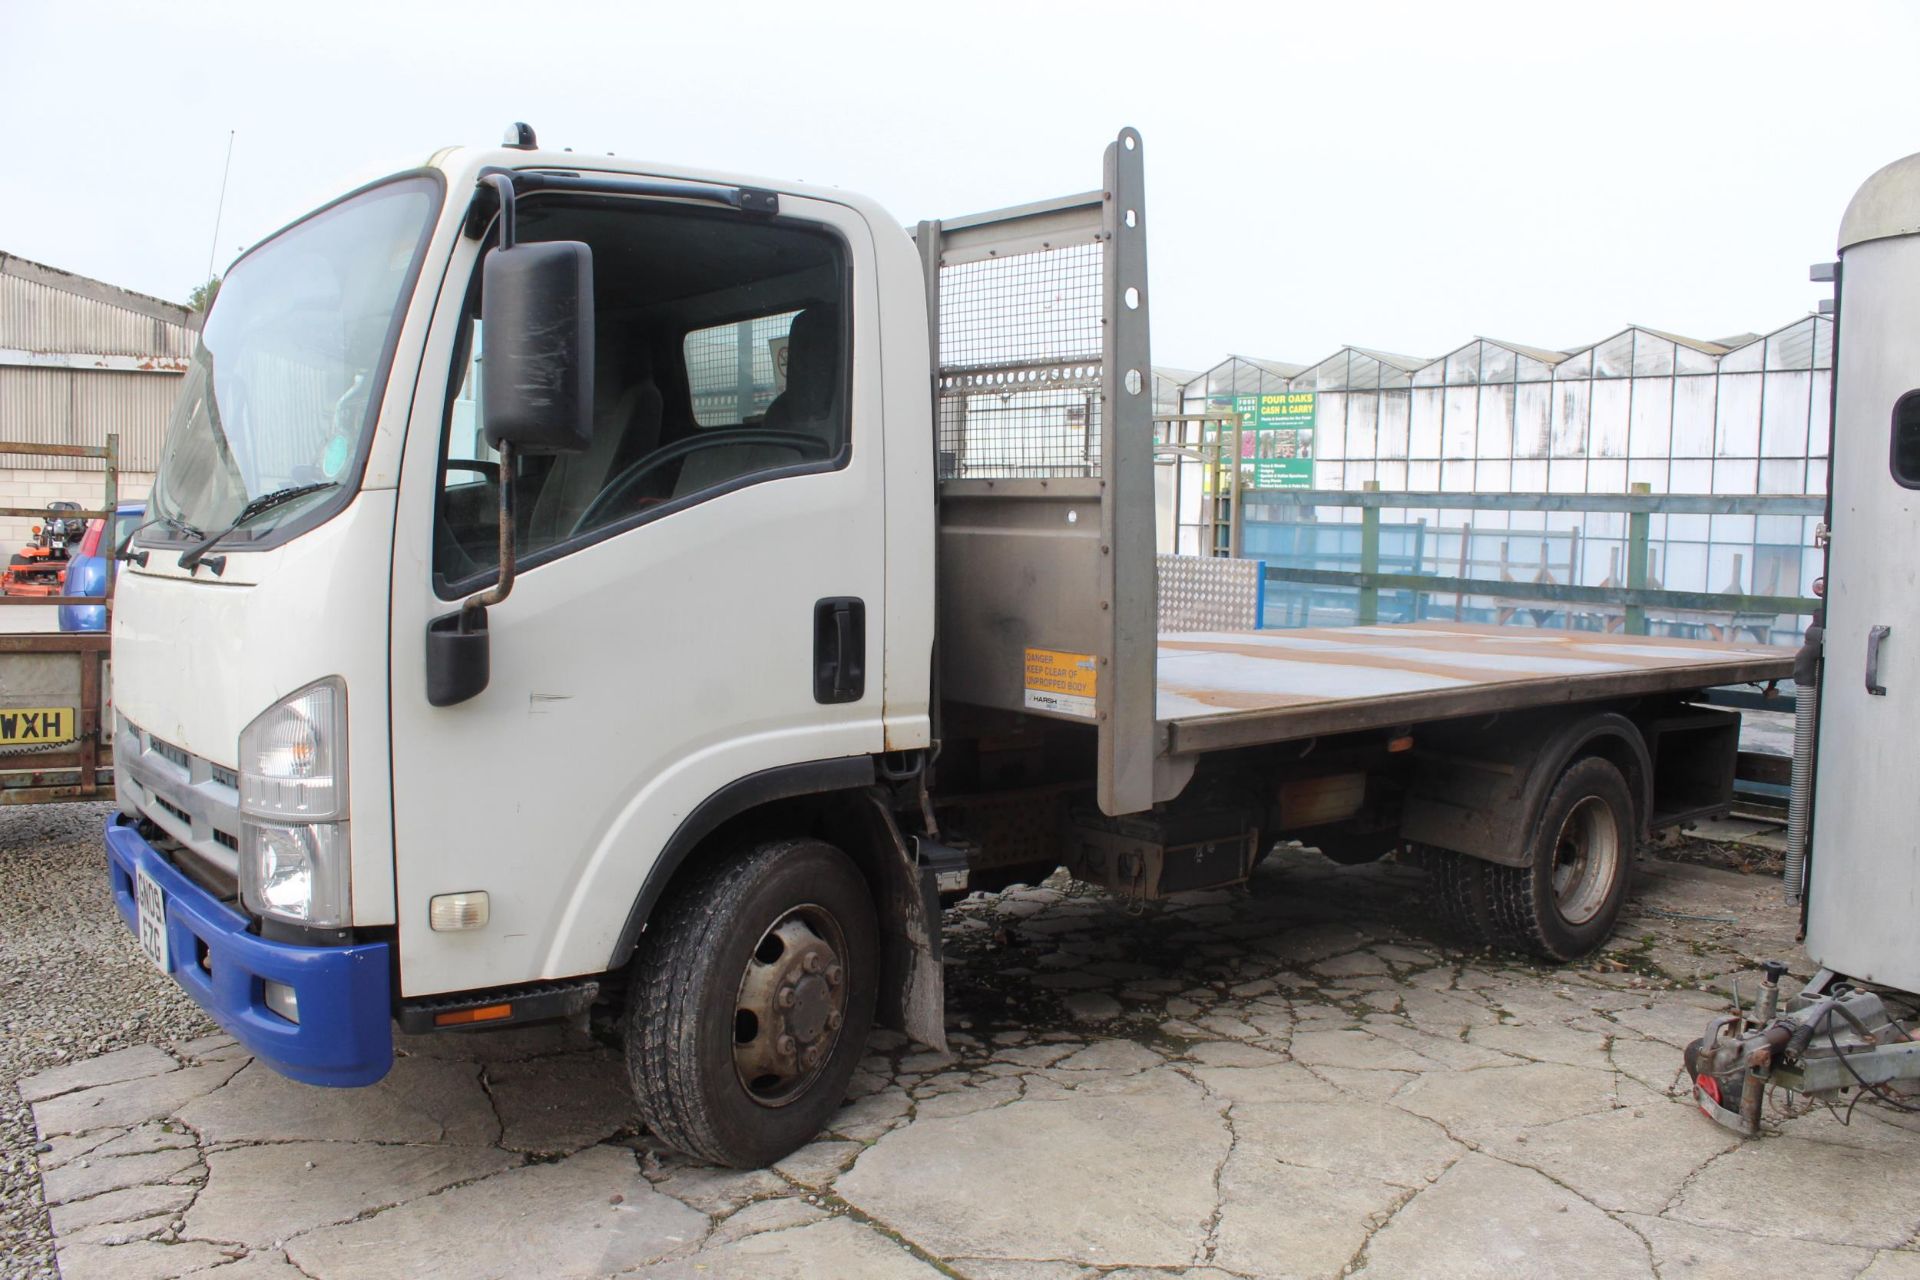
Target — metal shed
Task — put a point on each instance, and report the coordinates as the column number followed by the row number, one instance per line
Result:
column 79, row 360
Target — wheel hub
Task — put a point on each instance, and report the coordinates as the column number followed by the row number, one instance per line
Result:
column 790, row 1007
column 1585, row 859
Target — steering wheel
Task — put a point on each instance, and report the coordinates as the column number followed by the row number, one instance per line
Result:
column 801, row 442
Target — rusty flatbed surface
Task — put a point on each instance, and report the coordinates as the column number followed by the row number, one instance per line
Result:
column 1220, row 689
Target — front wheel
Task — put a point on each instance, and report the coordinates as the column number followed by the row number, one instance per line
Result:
column 1565, row 901
column 752, row 995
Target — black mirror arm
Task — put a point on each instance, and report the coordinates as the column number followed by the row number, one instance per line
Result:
column 475, row 606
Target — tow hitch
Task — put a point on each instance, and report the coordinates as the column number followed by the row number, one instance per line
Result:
column 1833, row 1038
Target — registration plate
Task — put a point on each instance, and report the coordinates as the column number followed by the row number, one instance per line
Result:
column 25, row 725
column 152, row 905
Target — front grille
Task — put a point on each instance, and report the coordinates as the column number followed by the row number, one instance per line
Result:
column 220, row 881
column 191, row 799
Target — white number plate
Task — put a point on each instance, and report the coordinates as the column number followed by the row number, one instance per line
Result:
column 153, row 919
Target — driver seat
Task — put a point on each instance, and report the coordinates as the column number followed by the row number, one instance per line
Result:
column 809, row 405
column 626, row 427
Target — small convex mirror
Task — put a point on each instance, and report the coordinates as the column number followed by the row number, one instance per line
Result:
column 536, row 341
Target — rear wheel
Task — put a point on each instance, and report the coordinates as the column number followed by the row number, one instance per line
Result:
column 752, row 995
column 1564, row 903
column 1459, row 893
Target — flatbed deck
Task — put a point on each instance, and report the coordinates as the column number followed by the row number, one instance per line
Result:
column 1222, row 689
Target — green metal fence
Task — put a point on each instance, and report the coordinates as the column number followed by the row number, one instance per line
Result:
column 1636, row 597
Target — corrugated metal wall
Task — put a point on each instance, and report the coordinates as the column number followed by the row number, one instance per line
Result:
column 36, row 316
column 74, row 406
column 50, row 323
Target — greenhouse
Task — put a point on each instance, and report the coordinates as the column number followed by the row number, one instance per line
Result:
column 1743, row 415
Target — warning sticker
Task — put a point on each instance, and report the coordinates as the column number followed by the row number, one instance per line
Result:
column 1062, row 682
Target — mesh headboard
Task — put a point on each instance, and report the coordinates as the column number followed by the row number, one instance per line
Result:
column 1045, row 438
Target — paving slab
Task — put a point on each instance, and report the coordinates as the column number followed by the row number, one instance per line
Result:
column 1791, row 1187
column 840, row 1248
column 1353, row 1138
column 138, row 1260
column 109, row 1068
column 1283, row 1220
column 1630, row 1159
column 94, row 1174
column 420, row 1100
column 1484, row 1218
column 1683, row 1251
column 262, row 1196
column 1484, row 1104
column 1118, row 1179
column 554, row 1105
column 130, row 1102
column 589, row 1214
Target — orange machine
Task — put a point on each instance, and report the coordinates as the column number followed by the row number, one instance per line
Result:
column 36, row 569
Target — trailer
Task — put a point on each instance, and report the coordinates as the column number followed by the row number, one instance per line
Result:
column 1853, row 857
column 56, row 731
column 593, row 583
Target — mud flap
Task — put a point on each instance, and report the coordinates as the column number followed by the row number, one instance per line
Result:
column 913, row 991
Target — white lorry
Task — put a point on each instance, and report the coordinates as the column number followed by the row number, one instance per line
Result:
column 820, row 563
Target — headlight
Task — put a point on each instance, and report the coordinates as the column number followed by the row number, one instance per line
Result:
column 293, row 809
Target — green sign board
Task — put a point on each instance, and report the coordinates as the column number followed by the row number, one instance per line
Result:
column 1277, row 448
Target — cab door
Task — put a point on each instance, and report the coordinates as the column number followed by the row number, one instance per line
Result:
column 664, row 635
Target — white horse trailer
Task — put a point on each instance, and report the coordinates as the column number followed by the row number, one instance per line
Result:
column 1857, row 878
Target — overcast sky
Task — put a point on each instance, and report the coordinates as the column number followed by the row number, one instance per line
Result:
column 1396, row 176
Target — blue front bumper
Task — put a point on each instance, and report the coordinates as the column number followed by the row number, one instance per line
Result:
column 345, row 1033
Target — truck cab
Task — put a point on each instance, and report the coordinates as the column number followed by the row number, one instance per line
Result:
column 721, row 600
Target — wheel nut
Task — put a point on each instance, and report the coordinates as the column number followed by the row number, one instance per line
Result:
column 785, row 998
column 834, row 974
column 812, row 1058
column 785, row 1046
column 834, row 1020
column 811, row 963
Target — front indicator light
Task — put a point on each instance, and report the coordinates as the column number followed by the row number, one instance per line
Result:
column 458, row 912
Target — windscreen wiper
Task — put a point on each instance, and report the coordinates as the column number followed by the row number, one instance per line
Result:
column 125, row 551
column 191, row 557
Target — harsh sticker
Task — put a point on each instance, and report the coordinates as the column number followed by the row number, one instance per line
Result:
column 1062, row 682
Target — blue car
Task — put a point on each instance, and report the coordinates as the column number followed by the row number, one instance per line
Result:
column 86, row 573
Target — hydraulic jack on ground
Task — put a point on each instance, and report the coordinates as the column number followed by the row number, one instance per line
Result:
column 1833, row 1038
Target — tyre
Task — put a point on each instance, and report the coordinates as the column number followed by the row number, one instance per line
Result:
column 1564, row 903
column 752, row 995
column 1460, row 894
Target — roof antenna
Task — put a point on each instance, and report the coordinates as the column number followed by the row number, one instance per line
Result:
column 220, row 208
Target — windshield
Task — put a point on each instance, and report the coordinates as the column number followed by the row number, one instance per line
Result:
column 286, row 376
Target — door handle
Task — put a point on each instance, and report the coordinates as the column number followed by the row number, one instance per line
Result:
column 1875, row 637
column 839, row 649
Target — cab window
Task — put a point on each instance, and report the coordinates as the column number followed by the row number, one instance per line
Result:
column 721, row 361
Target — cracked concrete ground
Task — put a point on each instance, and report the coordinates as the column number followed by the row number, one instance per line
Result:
column 1301, row 1079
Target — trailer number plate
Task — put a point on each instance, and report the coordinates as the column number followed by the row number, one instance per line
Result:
column 1064, row 683
column 151, row 905
column 30, row 725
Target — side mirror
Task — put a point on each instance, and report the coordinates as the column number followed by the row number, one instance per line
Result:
column 536, row 347
column 536, row 393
